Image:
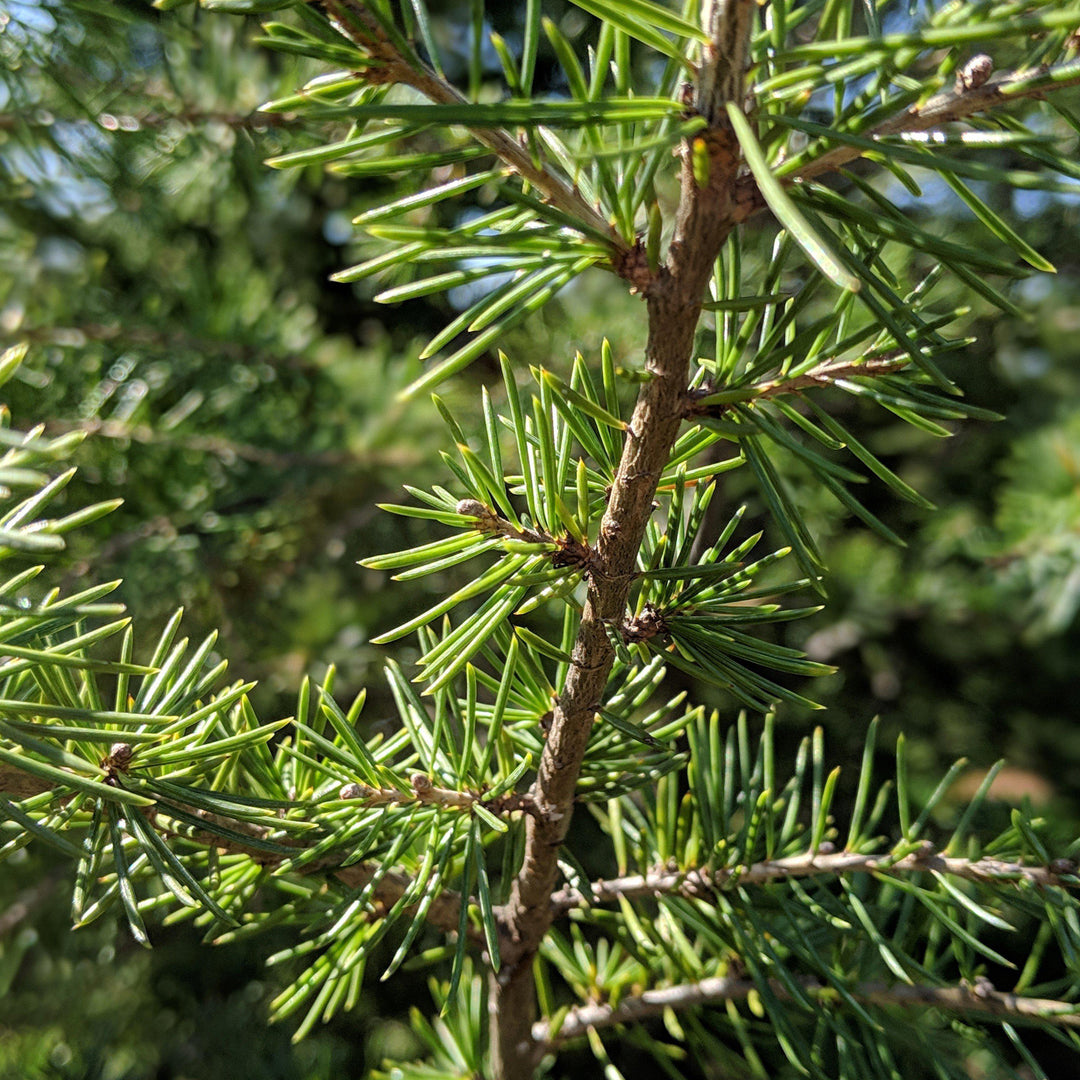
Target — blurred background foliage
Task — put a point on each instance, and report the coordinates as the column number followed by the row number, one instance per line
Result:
column 175, row 294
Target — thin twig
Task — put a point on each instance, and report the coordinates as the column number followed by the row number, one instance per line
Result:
column 429, row 794
column 948, row 107
column 147, row 337
column 127, row 122
column 823, row 374
column 219, row 446
column 395, row 68
column 979, row 999
column 443, row 913
column 814, row 864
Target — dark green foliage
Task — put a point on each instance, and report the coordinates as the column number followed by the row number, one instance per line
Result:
column 167, row 299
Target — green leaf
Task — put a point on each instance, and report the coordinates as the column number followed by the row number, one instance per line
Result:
column 52, row 837
column 579, row 401
column 64, row 778
column 531, row 113
column 627, row 727
column 643, row 21
column 30, row 541
column 545, row 648
column 11, row 358
column 783, row 509
column 500, row 572
column 168, row 864
column 123, row 876
column 781, row 204
column 997, row 225
column 542, row 292
column 428, row 197
column 224, row 747
column 934, row 37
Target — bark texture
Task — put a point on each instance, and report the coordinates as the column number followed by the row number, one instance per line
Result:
column 674, row 298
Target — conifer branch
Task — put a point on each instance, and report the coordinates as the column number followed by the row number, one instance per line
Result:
column 819, row 864
column 425, row 792
column 357, row 24
column 217, row 445
column 972, row 999
column 443, row 913
column 674, row 298
column 971, row 95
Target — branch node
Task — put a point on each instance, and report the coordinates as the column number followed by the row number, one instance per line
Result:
column 974, row 73
column 648, row 624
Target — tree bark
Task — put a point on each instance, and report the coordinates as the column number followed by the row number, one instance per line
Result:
column 674, row 298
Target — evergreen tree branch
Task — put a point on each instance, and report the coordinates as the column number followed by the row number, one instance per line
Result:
column 356, row 23
column 218, row 445
column 978, row 999
column 132, row 335
column 967, row 98
column 23, row 785
column 816, row 864
column 722, row 73
column 443, row 914
column 674, row 297
column 427, row 793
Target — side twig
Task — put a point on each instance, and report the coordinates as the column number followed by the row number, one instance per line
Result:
column 819, row 865
column 979, row 998
column 948, row 107
column 443, row 913
column 357, row 24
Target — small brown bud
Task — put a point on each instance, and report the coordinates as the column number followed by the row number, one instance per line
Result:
column 351, row 791
column 826, row 847
column 1063, row 866
column 120, row 755
column 925, row 850
column 473, row 508
column 421, row 784
column 974, row 73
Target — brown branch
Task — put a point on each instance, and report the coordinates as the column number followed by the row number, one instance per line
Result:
column 722, row 72
column 22, row 785
column 487, row 520
column 129, row 335
column 819, row 864
column 978, row 999
column 968, row 98
column 427, row 793
column 823, row 374
column 444, row 911
column 357, row 24
column 443, row 914
column 674, row 297
column 829, row 371
column 566, row 551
